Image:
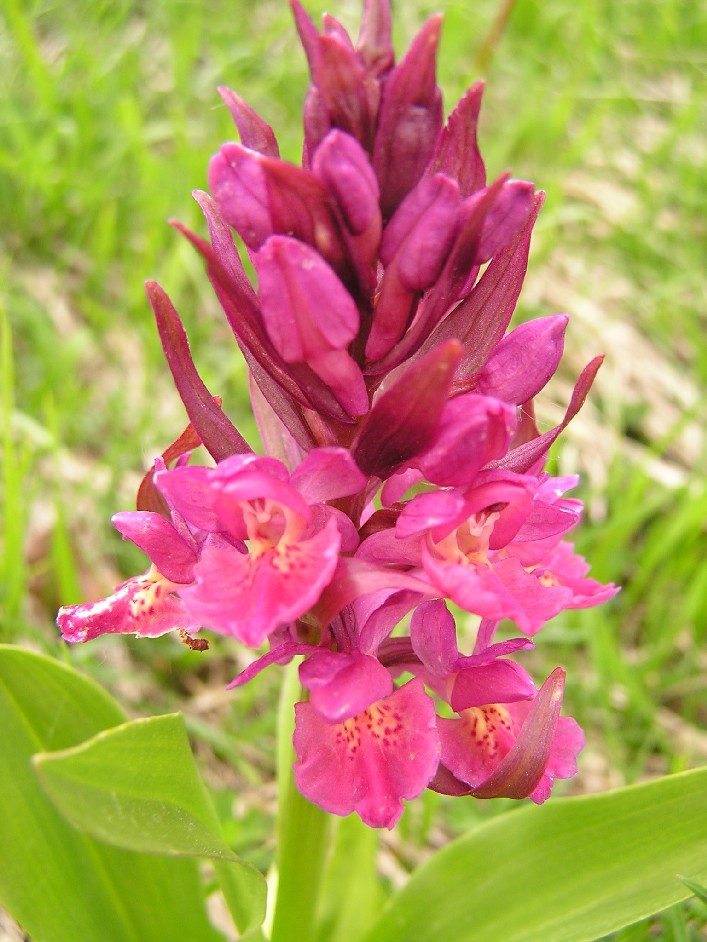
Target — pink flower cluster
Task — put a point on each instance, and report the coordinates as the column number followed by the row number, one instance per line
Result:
column 403, row 463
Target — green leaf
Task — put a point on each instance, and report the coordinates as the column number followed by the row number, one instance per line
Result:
column 132, row 784
column 56, row 882
column 571, row 871
column 137, row 786
column 696, row 888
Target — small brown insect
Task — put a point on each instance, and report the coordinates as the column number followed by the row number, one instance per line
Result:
column 194, row 644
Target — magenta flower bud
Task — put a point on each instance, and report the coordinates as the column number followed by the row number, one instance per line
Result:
column 342, row 166
column 409, row 119
column 507, row 215
column 239, row 185
column 310, row 317
column 415, row 244
column 421, row 232
column 306, row 309
column 524, row 360
column 260, row 197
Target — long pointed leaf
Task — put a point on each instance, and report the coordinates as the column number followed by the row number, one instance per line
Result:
column 136, row 786
column 60, row 885
column 570, row 871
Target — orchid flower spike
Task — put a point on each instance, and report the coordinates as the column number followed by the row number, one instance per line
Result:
column 400, row 465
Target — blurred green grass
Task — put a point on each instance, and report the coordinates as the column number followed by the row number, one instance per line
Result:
column 108, row 116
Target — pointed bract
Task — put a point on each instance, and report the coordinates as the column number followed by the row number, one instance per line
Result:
column 254, row 132
column 457, row 153
column 514, row 750
column 403, row 420
column 374, row 41
column 214, row 428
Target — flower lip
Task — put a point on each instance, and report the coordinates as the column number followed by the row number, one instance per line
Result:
column 144, row 605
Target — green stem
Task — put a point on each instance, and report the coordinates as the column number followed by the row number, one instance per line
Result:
column 302, row 837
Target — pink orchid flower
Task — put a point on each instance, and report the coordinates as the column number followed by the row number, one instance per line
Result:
column 371, row 761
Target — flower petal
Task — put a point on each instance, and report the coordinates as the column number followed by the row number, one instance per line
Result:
column 497, row 682
column 434, row 637
column 170, row 552
column 372, row 761
column 343, row 685
column 250, row 595
column 145, row 606
column 473, row 430
column 327, row 473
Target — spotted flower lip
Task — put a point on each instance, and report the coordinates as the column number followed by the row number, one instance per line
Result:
column 512, row 750
column 403, row 467
column 147, row 605
column 372, row 761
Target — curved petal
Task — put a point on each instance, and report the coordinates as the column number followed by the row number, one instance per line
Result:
column 145, row 606
column 250, row 595
column 476, row 589
column 343, row 685
column 498, row 682
column 434, row 637
column 173, row 556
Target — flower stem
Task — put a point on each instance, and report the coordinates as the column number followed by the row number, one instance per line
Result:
column 302, row 838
